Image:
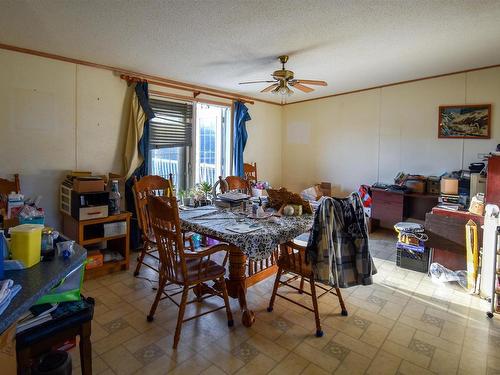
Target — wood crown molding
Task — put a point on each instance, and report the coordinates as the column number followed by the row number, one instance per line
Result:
column 396, row 84
column 165, row 81
column 208, row 90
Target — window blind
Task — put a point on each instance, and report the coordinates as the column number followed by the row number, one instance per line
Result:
column 172, row 125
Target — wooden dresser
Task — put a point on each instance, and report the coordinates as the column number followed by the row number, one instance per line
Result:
column 391, row 207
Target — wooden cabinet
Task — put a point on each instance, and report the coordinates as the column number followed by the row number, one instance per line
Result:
column 391, row 207
column 387, row 207
column 88, row 233
column 493, row 181
column 446, row 231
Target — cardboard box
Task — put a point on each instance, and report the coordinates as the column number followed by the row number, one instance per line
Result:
column 94, row 259
column 449, row 185
column 8, row 362
column 87, row 185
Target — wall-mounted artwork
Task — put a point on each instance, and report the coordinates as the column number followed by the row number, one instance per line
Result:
column 465, row 121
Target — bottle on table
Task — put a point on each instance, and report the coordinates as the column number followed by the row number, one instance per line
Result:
column 114, row 199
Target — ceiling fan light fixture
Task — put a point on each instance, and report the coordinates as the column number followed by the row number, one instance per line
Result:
column 284, row 78
column 283, row 91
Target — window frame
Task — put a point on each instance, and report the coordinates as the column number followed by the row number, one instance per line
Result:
column 190, row 151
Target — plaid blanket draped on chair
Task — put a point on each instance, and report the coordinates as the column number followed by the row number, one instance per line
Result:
column 338, row 246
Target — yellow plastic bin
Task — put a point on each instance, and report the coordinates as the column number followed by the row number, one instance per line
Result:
column 26, row 243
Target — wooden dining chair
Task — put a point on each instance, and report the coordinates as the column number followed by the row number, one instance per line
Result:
column 181, row 267
column 8, row 186
column 146, row 186
column 235, row 183
column 292, row 260
column 250, row 171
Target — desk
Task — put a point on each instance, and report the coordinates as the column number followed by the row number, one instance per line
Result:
column 37, row 281
column 391, row 207
column 258, row 245
column 446, row 231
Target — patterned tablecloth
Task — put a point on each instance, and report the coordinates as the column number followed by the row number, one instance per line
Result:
column 256, row 245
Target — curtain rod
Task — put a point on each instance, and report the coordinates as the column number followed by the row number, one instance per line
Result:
column 131, row 79
column 187, row 98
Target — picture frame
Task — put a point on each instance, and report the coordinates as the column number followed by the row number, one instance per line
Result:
column 469, row 121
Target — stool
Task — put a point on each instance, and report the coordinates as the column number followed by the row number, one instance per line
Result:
column 73, row 321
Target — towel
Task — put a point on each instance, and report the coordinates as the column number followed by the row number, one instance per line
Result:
column 8, row 291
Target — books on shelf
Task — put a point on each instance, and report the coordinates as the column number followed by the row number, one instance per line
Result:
column 450, row 207
column 451, row 202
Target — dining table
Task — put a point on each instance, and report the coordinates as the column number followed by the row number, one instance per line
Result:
column 257, row 241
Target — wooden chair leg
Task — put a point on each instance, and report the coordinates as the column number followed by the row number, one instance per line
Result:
column 140, row 259
column 161, row 286
column 301, row 285
column 319, row 332
column 275, row 289
column 341, row 301
column 180, row 317
column 222, row 283
column 24, row 361
column 86, row 349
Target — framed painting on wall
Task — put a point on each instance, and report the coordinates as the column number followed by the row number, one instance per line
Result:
column 465, row 121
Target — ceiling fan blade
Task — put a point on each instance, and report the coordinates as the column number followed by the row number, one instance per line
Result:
column 246, row 83
column 301, row 87
column 311, row 82
column 270, row 88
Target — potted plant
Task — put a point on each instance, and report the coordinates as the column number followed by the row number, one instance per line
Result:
column 189, row 197
column 204, row 190
column 182, row 197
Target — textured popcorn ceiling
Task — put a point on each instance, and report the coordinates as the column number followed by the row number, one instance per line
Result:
column 350, row 44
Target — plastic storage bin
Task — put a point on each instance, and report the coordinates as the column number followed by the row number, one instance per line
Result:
column 416, row 259
column 35, row 220
column 26, row 243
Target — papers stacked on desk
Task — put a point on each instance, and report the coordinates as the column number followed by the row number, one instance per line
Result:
column 35, row 316
column 233, row 196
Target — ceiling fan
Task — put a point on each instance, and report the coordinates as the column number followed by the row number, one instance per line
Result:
column 284, row 79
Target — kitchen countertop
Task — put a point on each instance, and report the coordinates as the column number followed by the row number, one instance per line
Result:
column 36, row 281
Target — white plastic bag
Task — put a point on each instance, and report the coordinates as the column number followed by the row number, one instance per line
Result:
column 441, row 274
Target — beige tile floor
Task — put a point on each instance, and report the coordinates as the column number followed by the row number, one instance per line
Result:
column 402, row 324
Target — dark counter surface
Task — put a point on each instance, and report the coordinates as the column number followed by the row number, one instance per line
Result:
column 36, row 281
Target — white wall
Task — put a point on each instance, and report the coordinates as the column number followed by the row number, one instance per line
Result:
column 264, row 141
column 57, row 116
column 369, row 136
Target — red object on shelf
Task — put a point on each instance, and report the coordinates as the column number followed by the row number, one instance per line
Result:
column 493, row 180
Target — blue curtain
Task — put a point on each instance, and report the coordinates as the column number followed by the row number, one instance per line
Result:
column 241, row 116
column 141, row 90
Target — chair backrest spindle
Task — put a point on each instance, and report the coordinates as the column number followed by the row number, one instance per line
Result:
column 146, row 186
column 165, row 223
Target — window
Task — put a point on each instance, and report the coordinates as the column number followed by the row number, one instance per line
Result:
column 191, row 155
column 170, row 139
column 212, row 155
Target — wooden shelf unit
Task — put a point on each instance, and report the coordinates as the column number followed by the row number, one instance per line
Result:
column 75, row 230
